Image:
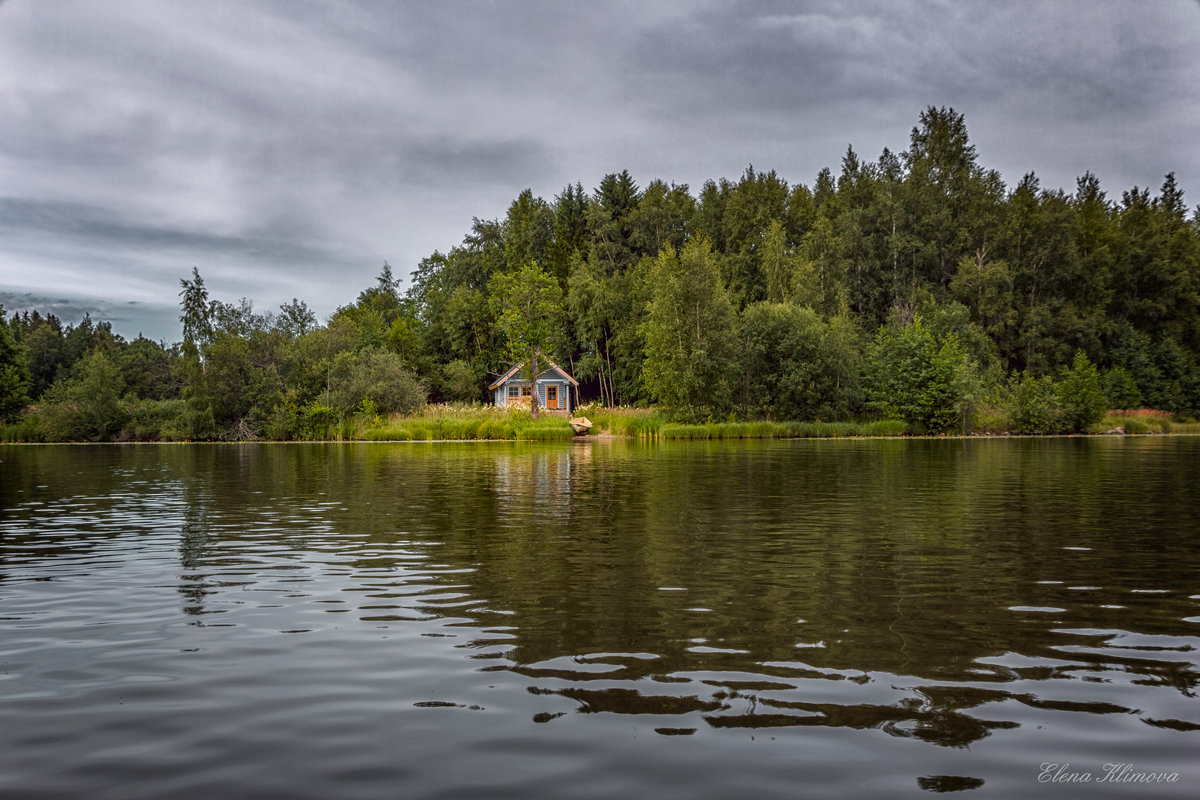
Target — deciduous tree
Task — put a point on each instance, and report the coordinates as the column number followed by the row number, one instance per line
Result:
column 528, row 306
column 689, row 333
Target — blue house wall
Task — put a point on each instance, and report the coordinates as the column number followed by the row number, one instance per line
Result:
column 550, row 377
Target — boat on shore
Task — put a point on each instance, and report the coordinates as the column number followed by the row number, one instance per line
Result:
column 581, row 425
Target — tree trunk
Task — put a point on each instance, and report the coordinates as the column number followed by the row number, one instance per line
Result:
column 532, row 367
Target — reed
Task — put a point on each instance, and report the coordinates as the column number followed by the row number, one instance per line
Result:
column 639, row 423
column 20, row 431
column 991, row 420
column 784, row 430
column 1155, row 422
column 450, row 422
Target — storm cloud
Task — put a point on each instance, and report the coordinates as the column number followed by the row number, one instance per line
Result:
column 287, row 149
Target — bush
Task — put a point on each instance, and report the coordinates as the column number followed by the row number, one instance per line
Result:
column 153, row 420
column 86, row 407
column 1034, row 406
column 377, row 374
column 317, row 421
column 795, row 365
column 283, row 423
column 912, row 376
column 1120, row 389
column 1080, row 399
column 459, row 382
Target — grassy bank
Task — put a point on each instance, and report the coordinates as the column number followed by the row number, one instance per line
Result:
column 644, row 423
column 461, row 422
column 479, row 422
column 785, row 430
column 1142, row 420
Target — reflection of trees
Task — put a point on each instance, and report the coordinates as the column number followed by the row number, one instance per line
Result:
column 900, row 558
column 537, row 488
column 203, row 473
column 861, row 584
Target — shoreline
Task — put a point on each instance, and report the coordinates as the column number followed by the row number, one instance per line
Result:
column 609, row 437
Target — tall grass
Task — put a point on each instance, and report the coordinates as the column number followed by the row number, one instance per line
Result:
column 640, row 423
column 990, row 420
column 23, row 430
column 784, row 430
column 650, row 424
column 1138, row 420
column 444, row 422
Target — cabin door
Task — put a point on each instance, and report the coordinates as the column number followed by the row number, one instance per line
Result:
column 551, row 397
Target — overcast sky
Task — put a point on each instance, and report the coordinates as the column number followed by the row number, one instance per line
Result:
column 287, row 149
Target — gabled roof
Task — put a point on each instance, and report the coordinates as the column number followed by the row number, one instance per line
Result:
column 506, row 376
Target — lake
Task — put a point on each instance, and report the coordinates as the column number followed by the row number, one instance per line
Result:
column 767, row 619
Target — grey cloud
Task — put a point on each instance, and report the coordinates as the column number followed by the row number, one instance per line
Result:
column 764, row 58
column 822, row 69
column 759, row 55
column 431, row 162
column 103, row 229
column 283, row 145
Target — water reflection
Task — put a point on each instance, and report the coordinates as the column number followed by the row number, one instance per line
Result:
column 946, row 593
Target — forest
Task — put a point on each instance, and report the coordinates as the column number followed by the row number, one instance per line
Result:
column 915, row 287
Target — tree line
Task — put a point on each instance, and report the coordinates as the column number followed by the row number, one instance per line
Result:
column 917, row 286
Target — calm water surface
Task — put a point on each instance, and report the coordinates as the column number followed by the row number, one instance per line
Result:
column 604, row 619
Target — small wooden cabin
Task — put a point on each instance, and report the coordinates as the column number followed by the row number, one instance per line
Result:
column 553, row 388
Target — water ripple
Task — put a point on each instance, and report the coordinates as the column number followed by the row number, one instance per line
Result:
column 701, row 620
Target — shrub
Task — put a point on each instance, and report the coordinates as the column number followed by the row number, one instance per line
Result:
column 377, row 374
column 152, row 420
column 459, row 382
column 1034, row 406
column 1080, row 398
column 1120, row 389
column 914, row 377
column 87, row 406
column 317, row 421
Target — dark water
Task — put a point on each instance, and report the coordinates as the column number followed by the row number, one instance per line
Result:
column 609, row 619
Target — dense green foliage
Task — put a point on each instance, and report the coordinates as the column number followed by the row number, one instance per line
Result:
column 916, row 290
column 528, row 307
column 689, row 333
column 14, row 373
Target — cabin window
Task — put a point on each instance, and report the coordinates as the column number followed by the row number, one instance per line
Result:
column 526, row 391
column 514, row 391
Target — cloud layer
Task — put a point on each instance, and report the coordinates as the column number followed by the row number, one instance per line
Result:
column 288, row 148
